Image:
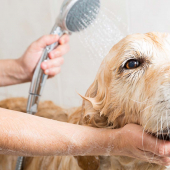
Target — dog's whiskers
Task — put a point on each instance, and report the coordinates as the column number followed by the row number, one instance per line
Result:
column 139, row 101
column 155, row 143
column 143, row 145
column 144, row 131
column 162, row 128
column 167, row 121
column 147, row 107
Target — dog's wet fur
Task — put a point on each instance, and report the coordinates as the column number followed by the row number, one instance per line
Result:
column 131, row 86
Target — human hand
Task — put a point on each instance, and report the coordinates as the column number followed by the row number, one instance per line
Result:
column 32, row 55
column 134, row 142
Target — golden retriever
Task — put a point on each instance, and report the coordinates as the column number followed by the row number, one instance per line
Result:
column 131, row 86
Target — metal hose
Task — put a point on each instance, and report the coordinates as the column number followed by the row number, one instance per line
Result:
column 19, row 163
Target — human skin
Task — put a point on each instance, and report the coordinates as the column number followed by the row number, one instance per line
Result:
column 21, row 70
column 42, row 137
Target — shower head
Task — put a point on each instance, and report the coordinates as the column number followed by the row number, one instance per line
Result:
column 76, row 15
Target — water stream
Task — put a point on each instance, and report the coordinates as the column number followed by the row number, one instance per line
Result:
column 101, row 35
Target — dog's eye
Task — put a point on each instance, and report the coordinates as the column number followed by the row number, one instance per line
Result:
column 131, row 64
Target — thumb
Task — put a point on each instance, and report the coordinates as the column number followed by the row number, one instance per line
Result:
column 46, row 40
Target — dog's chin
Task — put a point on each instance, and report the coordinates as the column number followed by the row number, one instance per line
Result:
column 162, row 135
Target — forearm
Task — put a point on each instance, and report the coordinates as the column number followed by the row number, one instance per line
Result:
column 27, row 135
column 11, row 73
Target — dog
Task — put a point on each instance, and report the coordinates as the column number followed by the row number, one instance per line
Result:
column 132, row 86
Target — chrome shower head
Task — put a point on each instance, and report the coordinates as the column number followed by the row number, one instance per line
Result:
column 76, row 15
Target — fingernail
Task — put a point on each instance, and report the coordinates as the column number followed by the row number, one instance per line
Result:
column 62, row 41
column 58, row 53
column 45, row 66
column 46, row 71
column 56, row 36
column 52, row 55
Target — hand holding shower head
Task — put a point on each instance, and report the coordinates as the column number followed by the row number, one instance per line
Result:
column 75, row 15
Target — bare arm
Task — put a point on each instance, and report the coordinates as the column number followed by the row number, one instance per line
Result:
column 23, row 134
column 27, row 135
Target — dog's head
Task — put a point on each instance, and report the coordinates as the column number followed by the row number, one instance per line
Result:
column 132, row 85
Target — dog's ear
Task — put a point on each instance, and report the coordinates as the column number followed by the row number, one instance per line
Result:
column 100, row 105
column 95, row 104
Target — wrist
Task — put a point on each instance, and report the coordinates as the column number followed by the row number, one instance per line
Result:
column 25, row 75
column 128, row 138
column 106, row 142
column 113, row 143
column 12, row 72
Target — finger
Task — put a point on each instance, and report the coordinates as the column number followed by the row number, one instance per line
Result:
column 52, row 71
column 154, row 145
column 45, row 41
column 64, row 39
column 151, row 157
column 165, row 161
column 59, row 51
column 147, row 142
column 163, row 148
column 57, row 62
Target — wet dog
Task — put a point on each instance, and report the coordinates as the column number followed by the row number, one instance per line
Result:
column 131, row 86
